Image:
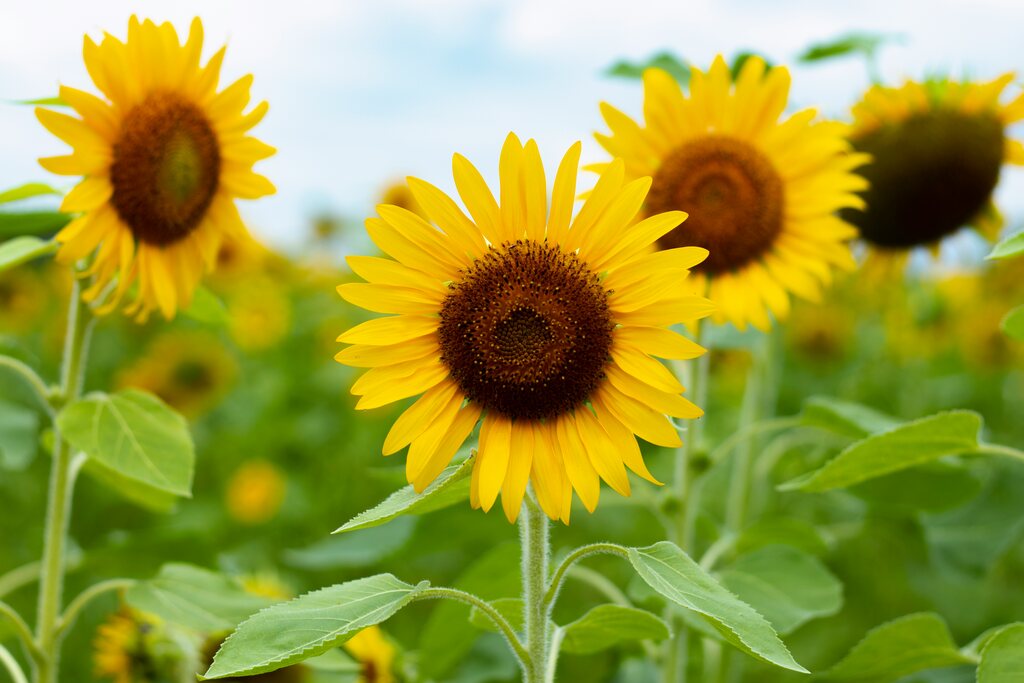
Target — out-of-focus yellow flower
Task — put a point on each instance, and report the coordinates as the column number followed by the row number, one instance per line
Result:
column 820, row 333
column 375, row 654
column 190, row 370
column 266, row 585
column 255, row 492
column 981, row 341
column 259, row 313
column 23, row 299
column 132, row 647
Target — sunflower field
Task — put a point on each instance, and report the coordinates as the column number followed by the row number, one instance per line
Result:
column 691, row 359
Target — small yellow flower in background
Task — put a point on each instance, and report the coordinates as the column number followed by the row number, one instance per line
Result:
column 164, row 156
column 255, row 492
column 937, row 148
column 761, row 192
column 399, row 194
column 191, row 371
column 259, row 313
column 266, row 585
column 541, row 326
column 820, row 333
column 375, row 654
column 132, row 647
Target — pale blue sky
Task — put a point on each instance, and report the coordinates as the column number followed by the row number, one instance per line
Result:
column 364, row 92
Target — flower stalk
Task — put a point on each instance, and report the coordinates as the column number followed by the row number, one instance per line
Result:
column 534, row 537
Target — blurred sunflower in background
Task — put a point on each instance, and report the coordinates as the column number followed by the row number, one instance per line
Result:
column 761, row 192
column 132, row 647
column 542, row 326
column 937, row 149
column 255, row 493
column 190, row 370
column 375, row 655
column 164, row 157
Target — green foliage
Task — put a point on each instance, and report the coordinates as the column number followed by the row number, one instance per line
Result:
column 671, row 572
column 27, row 191
column 845, row 418
column 24, row 249
column 606, row 626
column 195, row 598
column 848, row 44
column 14, row 224
column 207, row 308
column 676, row 67
column 45, row 102
column 1010, row 247
column 134, row 434
column 19, row 435
column 450, row 487
column 356, row 550
column 310, row 625
column 1013, row 323
column 914, row 443
column 899, row 648
column 509, row 608
column 787, row 586
column 1002, row 657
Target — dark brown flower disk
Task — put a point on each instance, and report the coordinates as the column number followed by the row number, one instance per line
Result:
column 733, row 195
column 527, row 331
column 165, row 170
column 930, row 175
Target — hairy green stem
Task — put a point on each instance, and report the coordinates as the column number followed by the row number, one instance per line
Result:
column 437, row 593
column 21, row 629
column 34, row 381
column 572, row 558
column 87, row 596
column 533, row 535
column 996, row 449
column 12, row 666
column 62, row 481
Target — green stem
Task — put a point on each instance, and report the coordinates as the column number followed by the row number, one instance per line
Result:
column 533, row 535
column 34, row 381
column 996, row 449
column 21, row 629
column 12, row 666
column 87, row 596
column 18, row 577
column 739, row 481
column 744, row 434
column 572, row 558
column 438, row 593
column 62, row 481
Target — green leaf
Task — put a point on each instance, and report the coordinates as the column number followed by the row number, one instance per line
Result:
column 451, row 487
column 914, row 443
column 357, row 550
column 1002, row 657
column 606, row 626
column 135, row 434
column 932, row 487
column 787, row 586
column 309, row 625
column 677, row 68
column 196, row 598
column 143, row 495
column 790, row 531
column 19, row 435
column 898, row 648
column 16, row 224
column 845, row 418
column 27, row 191
column 510, row 608
column 207, row 308
column 856, row 43
column 45, row 102
column 1013, row 323
column 671, row 572
column 334, row 661
column 24, row 249
column 1009, row 247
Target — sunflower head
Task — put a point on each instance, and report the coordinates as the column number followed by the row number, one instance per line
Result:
column 375, row 655
column 761, row 190
column 131, row 647
column 937, row 148
column 164, row 154
column 255, row 492
column 540, row 325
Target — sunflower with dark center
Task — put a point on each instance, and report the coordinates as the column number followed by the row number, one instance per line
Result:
column 375, row 655
column 762, row 191
column 937, row 150
column 164, row 154
column 131, row 647
column 542, row 326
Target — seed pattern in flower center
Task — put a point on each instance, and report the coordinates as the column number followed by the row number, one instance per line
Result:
column 526, row 332
column 929, row 175
column 165, row 170
column 733, row 194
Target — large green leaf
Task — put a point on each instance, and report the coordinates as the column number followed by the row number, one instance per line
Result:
column 24, row 249
column 899, row 648
column 914, row 443
column 932, row 487
column 310, row 625
column 19, row 435
column 357, row 550
column 14, row 224
column 787, row 586
column 27, row 191
column 845, row 418
column 608, row 625
column 196, row 598
column 1010, row 247
column 671, row 572
column 673, row 65
column 135, row 434
column 451, row 487
column 854, row 43
column 140, row 493
column 1002, row 657
column 1013, row 323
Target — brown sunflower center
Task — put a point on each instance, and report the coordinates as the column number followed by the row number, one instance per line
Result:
column 929, row 176
column 165, row 170
column 733, row 194
column 527, row 331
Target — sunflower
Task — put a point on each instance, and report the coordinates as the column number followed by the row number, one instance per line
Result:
column 163, row 155
column 132, row 647
column 761, row 192
column 375, row 654
column 540, row 326
column 937, row 150
column 255, row 492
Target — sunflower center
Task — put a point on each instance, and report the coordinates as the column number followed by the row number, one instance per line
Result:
column 733, row 194
column 165, row 170
column 193, row 375
column 527, row 331
column 930, row 175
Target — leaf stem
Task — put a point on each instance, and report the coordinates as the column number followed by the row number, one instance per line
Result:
column 739, row 482
column 996, row 449
column 87, row 596
column 439, row 593
column 572, row 558
column 21, row 628
column 34, row 381
column 18, row 577
column 11, row 664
